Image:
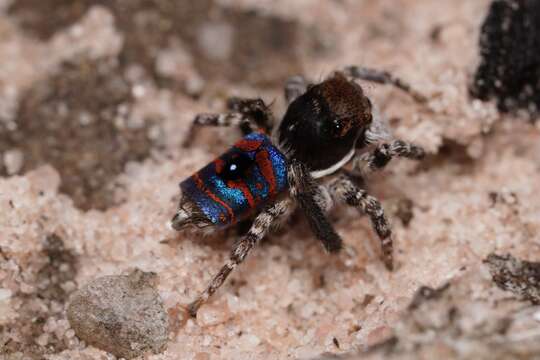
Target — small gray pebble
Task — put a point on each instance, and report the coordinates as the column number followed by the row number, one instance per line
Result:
column 120, row 314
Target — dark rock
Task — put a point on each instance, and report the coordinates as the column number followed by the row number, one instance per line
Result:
column 517, row 276
column 120, row 314
column 509, row 70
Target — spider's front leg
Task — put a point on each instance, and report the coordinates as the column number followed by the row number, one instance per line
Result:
column 344, row 189
column 247, row 114
column 367, row 163
column 382, row 77
column 305, row 191
column 241, row 249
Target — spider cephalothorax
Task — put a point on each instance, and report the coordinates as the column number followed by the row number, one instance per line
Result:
column 321, row 126
column 263, row 177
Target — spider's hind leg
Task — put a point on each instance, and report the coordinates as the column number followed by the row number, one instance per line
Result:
column 241, row 249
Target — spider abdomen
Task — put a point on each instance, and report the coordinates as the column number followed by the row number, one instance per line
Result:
column 238, row 182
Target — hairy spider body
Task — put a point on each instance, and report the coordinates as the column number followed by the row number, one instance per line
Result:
column 323, row 129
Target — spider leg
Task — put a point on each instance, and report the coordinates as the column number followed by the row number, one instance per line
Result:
column 324, row 199
column 305, row 191
column 345, row 190
column 242, row 227
column 216, row 120
column 241, row 249
column 383, row 77
column 247, row 114
column 254, row 109
column 294, row 87
column 367, row 163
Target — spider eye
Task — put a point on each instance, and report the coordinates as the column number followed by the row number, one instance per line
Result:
column 338, row 128
column 235, row 167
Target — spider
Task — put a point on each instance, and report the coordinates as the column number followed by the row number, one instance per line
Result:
column 299, row 162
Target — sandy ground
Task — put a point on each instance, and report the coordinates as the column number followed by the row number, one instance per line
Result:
column 73, row 207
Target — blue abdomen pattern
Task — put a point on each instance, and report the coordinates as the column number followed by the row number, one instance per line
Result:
column 240, row 181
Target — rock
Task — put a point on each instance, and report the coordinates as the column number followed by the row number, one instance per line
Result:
column 454, row 321
column 510, row 56
column 123, row 315
column 518, row 276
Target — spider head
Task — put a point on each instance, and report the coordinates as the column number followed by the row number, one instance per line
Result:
column 322, row 126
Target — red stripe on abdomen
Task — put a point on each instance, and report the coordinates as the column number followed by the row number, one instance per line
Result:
column 214, row 197
column 242, row 186
column 267, row 170
column 248, row 145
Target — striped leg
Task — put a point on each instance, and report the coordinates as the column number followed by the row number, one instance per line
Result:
column 247, row 114
column 367, row 163
column 383, row 77
column 255, row 110
column 345, row 190
column 241, row 249
column 306, row 192
column 217, row 120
